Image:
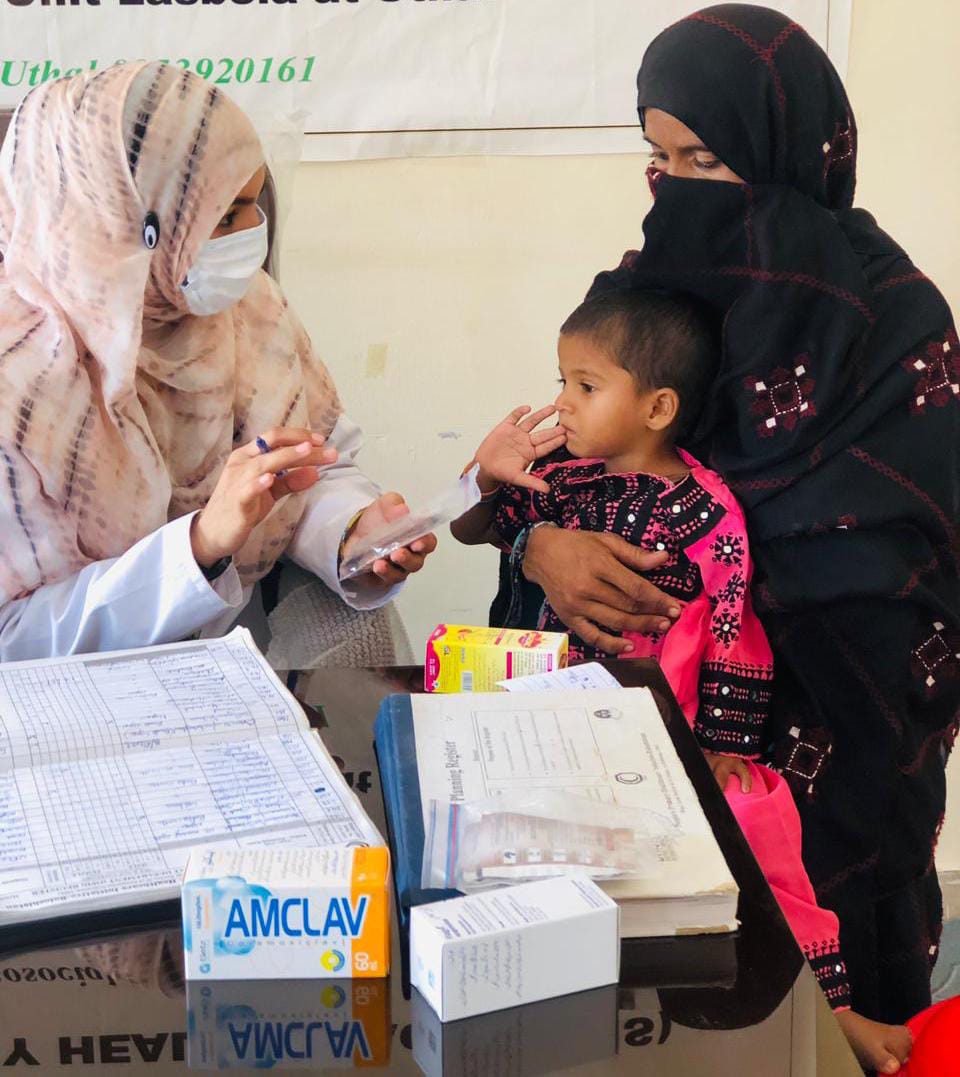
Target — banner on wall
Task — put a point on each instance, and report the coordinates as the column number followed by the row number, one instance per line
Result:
column 369, row 78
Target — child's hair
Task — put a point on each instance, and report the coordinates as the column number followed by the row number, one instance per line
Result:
column 663, row 339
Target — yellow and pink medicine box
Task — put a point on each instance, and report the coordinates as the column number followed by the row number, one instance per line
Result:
column 466, row 658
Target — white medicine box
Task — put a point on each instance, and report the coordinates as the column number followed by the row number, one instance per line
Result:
column 489, row 951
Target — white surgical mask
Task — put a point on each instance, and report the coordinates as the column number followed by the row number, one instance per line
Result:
column 225, row 268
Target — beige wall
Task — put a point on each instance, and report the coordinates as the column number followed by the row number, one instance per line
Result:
column 903, row 84
column 435, row 287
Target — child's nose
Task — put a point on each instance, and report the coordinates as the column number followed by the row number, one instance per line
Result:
column 561, row 403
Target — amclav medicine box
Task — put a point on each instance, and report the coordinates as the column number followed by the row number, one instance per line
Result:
column 282, row 913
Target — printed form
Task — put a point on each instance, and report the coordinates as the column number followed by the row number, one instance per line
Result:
column 609, row 745
column 534, row 753
column 113, row 766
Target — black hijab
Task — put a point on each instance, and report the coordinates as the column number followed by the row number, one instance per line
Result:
column 835, row 419
column 761, row 94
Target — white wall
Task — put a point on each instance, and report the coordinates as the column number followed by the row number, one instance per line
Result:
column 435, row 288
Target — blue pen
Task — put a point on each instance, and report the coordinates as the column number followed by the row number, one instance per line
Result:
column 265, row 448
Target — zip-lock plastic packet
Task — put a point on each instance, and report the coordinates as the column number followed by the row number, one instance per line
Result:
column 444, row 508
column 519, row 837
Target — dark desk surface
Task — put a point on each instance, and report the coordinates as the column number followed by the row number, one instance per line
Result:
column 711, row 1006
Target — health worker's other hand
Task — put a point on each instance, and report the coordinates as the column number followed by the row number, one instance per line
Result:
column 592, row 581
column 513, row 445
column 249, row 486
column 401, row 563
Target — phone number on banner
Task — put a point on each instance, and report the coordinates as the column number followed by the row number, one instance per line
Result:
column 226, row 69
column 222, row 70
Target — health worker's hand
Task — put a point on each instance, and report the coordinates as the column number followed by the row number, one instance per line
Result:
column 249, row 486
column 513, row 445
column 401, row 563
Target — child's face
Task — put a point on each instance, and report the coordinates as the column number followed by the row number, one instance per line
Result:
column 603, row 411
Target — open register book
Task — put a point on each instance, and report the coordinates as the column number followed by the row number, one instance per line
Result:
column 609, row 745
column 113, row 765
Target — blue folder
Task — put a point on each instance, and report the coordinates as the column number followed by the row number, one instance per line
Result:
column 395, row 741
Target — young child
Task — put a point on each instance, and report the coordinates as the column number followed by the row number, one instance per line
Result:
column 635, row 370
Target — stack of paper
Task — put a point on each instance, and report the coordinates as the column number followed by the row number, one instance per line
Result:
column 113, row 765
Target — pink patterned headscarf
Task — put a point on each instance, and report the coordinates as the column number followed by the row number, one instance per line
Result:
column 118, row 408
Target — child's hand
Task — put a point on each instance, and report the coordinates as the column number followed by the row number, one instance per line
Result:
column 725, row 765
column 513, row 445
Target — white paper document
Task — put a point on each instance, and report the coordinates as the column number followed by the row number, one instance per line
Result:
column 608, row 745
column 587, row 675
column 113, row 765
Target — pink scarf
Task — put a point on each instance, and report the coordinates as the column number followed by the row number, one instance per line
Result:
column 118, row 408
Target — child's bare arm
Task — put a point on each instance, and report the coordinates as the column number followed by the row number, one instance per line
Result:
column 475, row 526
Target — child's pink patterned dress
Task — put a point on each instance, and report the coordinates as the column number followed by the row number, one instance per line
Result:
column 716, row 657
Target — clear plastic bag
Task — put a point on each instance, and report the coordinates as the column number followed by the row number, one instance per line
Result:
column 518, row 837
column 447, row 506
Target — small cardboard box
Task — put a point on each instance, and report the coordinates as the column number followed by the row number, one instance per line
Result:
column 489, row 951
column 281, row 913
column 467, row 658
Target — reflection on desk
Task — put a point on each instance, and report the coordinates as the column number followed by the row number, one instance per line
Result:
column 542, row 1037
column 124, row 1001
column 294, row 1024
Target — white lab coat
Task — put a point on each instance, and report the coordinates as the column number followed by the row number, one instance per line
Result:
column 156, row 593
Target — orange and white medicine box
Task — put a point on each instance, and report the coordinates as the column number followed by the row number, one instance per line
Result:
column 281, row 913
column 465, row 658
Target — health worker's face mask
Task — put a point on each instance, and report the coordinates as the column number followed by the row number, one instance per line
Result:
column 225, row 268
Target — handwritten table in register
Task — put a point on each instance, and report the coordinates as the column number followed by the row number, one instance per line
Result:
column 94, row 1003
column 124, row 762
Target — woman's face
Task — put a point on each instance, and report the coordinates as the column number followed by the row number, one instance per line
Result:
column 676, row 150
column 242, row 211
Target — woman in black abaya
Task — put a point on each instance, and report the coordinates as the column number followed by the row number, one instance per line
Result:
column 836, row 421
